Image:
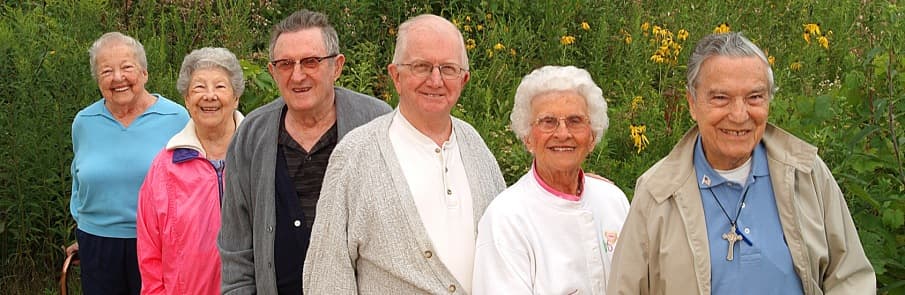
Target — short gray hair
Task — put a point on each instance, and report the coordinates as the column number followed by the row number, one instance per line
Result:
column 726, row 44
column 558, row 78
column 306, row 19
column 110, row 38
column 211, row 58
column 405, row 27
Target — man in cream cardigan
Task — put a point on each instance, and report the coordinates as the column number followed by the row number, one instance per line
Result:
column 402, row 194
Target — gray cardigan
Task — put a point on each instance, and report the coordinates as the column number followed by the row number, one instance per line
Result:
column 368, row 237
column 248, row 210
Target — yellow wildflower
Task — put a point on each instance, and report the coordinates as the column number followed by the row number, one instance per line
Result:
column 657, row 58
column 467, row 28
column 657, row 30
column 479, row 27
column 499, row 47
column 489, row 53
column 470, row 44
column 813, row 29
column 824, row 42
column 391, row 31
column 467, row 18
column 567, row 40
column 722, row 28
column 585, row 26
column 638, row 138
column 488, row 17
column 637, row 102
column 807, row 37
column 683, row 34
column 512, row 51
column 772, row 60
column 456, row 23
column 628, row 39
column 795, row 66
column 644, row 27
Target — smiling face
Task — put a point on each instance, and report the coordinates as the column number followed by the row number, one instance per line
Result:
column 210, row 99
column 731, row 108
column 436, row 43
column 120, row 76
column 305, row 90
column 565, row 148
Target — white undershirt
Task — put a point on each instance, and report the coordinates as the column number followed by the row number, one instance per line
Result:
column 739, row 175
column 439, row 186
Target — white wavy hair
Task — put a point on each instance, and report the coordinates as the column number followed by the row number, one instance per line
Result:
column 558, row 78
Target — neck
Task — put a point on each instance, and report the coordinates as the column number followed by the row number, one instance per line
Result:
column 308, row 119
column 565, row 181
column 437, row 129
column 126, row 113
column 215, row 141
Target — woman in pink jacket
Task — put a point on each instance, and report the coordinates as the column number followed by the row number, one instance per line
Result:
column 179, row 201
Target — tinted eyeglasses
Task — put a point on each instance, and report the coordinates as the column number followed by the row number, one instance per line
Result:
column 424, row 69
column 309, row 64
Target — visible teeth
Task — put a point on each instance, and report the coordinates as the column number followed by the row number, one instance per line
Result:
column 120, row 89
column 209, row 109
column 563, row 149
column 735, row 133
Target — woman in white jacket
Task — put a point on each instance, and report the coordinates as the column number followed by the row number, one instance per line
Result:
column 553, row 231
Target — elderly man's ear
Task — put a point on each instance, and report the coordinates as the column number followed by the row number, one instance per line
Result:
column 691, row 105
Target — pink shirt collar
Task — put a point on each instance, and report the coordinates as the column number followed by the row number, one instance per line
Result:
column 550, row 189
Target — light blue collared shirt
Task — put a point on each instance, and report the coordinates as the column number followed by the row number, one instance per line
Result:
column 762, row 263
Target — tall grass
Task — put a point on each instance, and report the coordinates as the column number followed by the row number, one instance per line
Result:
column 846, row 98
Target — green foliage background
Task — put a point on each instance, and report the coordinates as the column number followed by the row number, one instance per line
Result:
column 848, row 98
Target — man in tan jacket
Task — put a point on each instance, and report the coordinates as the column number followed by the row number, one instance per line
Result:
column 739, row 206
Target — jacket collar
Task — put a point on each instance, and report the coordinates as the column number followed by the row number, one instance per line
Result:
column 677, row 167
column 187, row 139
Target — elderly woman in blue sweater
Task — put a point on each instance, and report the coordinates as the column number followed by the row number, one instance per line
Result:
column 114, row 140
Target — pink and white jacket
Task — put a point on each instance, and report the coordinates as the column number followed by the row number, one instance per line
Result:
column 178, row 219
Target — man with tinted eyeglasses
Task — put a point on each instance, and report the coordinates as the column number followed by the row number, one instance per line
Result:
column 402, row 194
column 278, row 157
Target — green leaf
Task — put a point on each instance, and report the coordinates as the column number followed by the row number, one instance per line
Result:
column 894, row 218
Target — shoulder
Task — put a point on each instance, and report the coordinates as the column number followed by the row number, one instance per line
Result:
column 514, row 198
column 606, row 193
column 783, row 147
column 365, row 135
column 349, row 98
column 166, row 106
column 465, row 129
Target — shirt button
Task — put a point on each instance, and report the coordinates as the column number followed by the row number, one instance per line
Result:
column 747, row 230
column 437, row 150
column 297, row 223
column 269, row 229
column 743, row 205
column 269, row 265
column 449, row 192
column 428, row 254
column 451, row 289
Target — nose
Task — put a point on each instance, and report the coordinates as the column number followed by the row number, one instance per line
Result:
column 119, row 75
column 298, row 74
column 738, row 111
column 561, row 130
column 435, row 78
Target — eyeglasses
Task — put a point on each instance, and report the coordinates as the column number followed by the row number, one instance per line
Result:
column 424, row 69
column 309, row 64
column 574, row 123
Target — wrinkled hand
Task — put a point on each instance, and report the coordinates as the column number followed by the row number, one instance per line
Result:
column 72, row 248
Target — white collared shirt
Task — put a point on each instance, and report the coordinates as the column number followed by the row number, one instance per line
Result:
column 438, row 183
